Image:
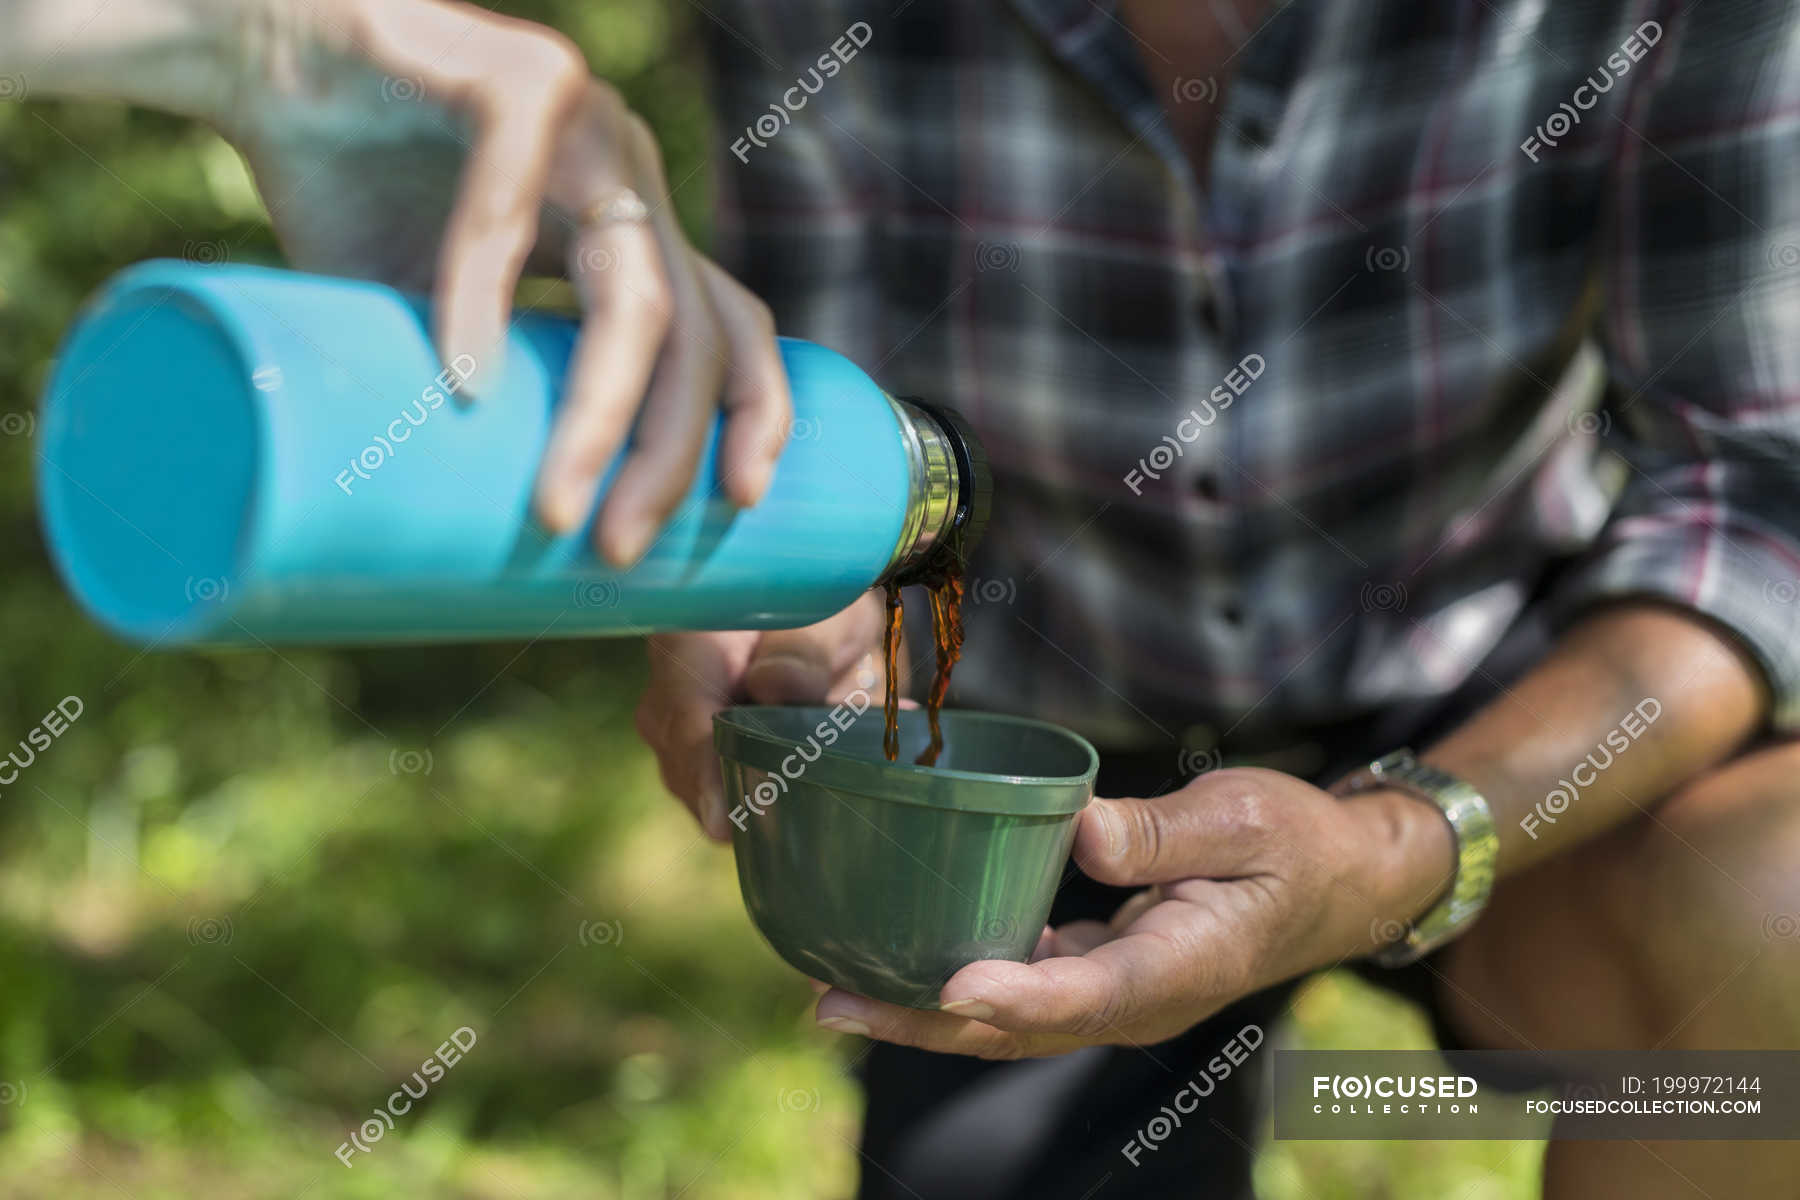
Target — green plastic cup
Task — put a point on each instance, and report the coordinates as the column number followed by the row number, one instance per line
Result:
column 883, row 878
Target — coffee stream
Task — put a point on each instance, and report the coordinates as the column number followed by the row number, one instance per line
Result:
column 946, row 592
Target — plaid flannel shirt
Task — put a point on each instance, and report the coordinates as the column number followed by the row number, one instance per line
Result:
column 1489, row 308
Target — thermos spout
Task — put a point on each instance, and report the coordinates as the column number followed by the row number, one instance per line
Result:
column 950, row 495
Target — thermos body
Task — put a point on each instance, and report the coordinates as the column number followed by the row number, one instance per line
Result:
column 238, row 454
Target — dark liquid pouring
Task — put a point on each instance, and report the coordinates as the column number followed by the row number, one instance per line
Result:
column 946, row 594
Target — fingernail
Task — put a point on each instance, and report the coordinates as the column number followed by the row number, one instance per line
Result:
column 845, row 1025
column 626, row 546
column 748, row 488
column 562, row 507
column 1115, row 829
column 485, row 372
column 975, row 1010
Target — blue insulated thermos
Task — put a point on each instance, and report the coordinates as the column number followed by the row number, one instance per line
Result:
column 235, row 454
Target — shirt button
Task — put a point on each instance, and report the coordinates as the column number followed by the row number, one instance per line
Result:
column 1253, row 132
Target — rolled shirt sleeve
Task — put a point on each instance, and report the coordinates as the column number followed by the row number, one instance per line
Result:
column 1702, row 333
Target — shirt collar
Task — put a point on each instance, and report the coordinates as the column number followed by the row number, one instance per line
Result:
column 1092, row 39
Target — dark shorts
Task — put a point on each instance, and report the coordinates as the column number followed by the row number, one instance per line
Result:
column 943, row 1127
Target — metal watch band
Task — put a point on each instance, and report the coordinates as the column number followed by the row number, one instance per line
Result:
column 1477, row 848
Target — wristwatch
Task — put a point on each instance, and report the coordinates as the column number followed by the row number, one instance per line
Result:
column 1477, row 848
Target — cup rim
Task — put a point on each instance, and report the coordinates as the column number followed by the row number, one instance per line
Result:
column 738, row 740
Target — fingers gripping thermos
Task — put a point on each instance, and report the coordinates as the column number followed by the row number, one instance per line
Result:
column 235, row 454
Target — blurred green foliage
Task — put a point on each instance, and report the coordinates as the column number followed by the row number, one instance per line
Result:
column 247, row 894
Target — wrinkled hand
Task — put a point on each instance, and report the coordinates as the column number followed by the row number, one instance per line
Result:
column 437, row 146
column 1253, row 877
column 694, row 675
